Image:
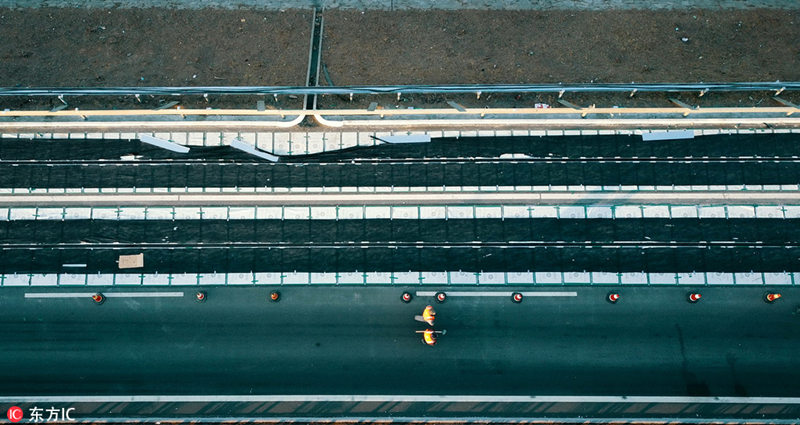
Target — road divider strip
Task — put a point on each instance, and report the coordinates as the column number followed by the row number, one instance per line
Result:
column 409, row 278
column 377, row 212
column 308, row 142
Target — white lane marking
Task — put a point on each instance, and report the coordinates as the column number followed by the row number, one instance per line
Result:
column 401, row 398
column 106, row 294
column 496, row 294
column 74, row 265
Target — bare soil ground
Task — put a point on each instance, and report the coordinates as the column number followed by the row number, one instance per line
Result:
column 449, row 47
column 65, row 47
column 152, row 47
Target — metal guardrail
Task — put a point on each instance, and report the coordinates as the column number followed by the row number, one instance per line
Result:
column 777, row 86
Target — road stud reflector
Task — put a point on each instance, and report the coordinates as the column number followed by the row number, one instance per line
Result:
column 274, row 296
column 440, row 297
column 98, row 298
column 613, row 297
column 406, row 297
column 694, row 297
column 771, row 297
column 516, row 297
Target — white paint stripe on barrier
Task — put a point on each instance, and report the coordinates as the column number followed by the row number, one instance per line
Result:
column 399, row 399
column 497, row 294
column 107, row 295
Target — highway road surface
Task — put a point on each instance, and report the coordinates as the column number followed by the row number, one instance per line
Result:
column 361, row 340
column 501, row 161
column 501, row 245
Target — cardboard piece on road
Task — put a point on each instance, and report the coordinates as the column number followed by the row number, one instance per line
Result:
column 131, row 261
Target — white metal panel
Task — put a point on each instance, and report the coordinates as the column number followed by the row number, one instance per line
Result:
column 663, row 279
column 460, row 212
column 215, row 213
column 492, row 278
column 268, row 278
column 684, row 212
column 377, row 212
column 583, row 278
column 633, row 278
column 405, row 213
column 242, row 213
column 548, row 278
column 605, row 278
column 432, row 212
column 691, row 278
column 777, row 278
column 240, row 278
column 156, row 279
column 519, row 277
column 100, row 279
column 749, row 278
column 572, row 212
column 769, row 211
column 435, row 278
column 712, row 212
column 719, row 278
column 127, row 279
column 131, row 213
column 463, row 278
column 44, row 280
column 628, row 211
column 187, row 213
column 543, row 212
column 599, row 212
column 323, row 213
column 184, row 279
column 655, row 211
column 296, row 213
column 488, row 211
column 407, row 278
column 351, row 278
column 269, row 213
column 741, row 211
column 351, row 213
column 378, row 278
column 323, row 278
column 23, row 214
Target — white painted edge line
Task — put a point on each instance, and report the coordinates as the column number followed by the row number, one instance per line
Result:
column 496, row 294
column 400, row 398
column 107, row 295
